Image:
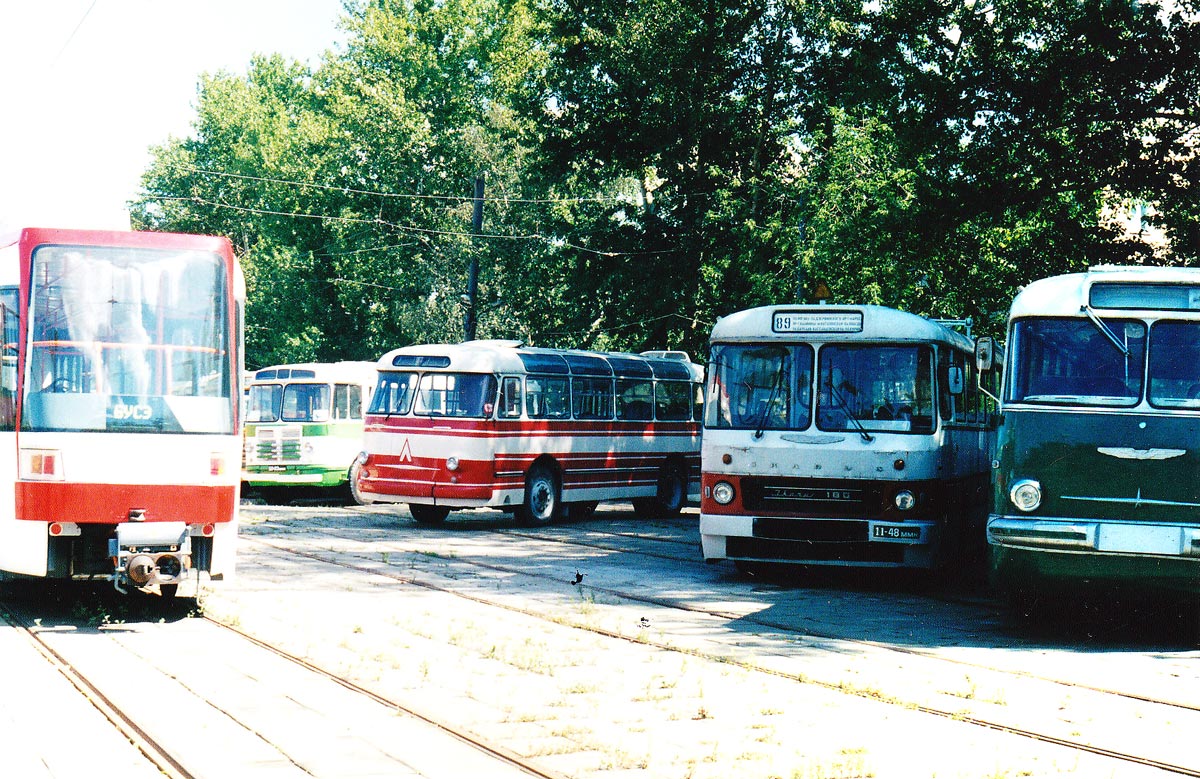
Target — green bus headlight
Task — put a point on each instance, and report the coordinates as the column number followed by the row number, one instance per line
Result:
column 1025, row 494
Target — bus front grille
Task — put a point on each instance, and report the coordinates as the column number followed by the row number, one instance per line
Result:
column 277, row 445
column 813, row 497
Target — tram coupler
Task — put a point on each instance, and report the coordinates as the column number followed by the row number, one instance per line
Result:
column 148, row 553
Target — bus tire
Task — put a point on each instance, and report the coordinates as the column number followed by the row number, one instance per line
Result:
column 425, row 514
column 543, row 497
column 671, row 495
column 356, row 495
column 168, row 590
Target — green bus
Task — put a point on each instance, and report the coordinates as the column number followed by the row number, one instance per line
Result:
column 304, row 426
column 1097, row 475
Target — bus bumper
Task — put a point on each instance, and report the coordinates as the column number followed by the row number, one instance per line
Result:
column 1024, row 551
column 826, row 541
column 292, row 475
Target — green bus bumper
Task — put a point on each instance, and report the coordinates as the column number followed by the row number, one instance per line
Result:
column 293, row 476
column 1029, row 554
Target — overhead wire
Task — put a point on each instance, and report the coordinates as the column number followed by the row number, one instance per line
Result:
column 419, row 231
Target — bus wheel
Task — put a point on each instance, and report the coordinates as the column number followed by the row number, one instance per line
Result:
column 543, row 499
column 356, row 495
column 672, row 494
column 428, row 515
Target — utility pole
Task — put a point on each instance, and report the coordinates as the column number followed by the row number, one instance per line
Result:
column 473, row 268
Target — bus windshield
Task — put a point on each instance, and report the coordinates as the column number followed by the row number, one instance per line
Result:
column 1080, row 361
column 264, row 403
column 875, row 388
column 306, row 402
column 128, row 339
column 760, row 387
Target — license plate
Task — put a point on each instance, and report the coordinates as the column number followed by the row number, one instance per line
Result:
column 896, row 532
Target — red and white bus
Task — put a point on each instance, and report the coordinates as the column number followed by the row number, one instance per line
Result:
column 491, row 423
column 119, row 402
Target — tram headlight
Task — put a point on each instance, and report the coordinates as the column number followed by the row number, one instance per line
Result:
column 723, row 492
column 452, row 463
column 905, row 500
column 1025, row 494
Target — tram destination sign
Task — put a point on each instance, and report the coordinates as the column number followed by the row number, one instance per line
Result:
column 809, row 321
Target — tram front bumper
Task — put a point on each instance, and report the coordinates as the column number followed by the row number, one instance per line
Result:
column 150, row 553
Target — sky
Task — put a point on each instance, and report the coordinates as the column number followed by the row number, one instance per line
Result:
column 87, row 87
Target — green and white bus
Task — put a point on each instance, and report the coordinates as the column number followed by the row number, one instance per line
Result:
column 1097, row 476
column 304, row 426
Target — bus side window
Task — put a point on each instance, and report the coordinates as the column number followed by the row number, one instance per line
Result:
column 592, row 398
column 635, row 399
column 510, row 398
column 946, row 401
column 548, row 397
column 344, row 405
column 673, row 400
column 8, row 358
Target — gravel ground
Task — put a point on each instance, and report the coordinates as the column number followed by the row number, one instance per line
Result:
column 588, row 685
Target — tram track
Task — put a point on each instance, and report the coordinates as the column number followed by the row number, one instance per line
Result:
column 161, row 756
column 371, row 566
column 126, row 724
column 496, row 751
column 775, row 624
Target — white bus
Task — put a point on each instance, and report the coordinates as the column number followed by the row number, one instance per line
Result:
column 1098, row 471
column 304, row 426
column 843, row 436
column 490, row 423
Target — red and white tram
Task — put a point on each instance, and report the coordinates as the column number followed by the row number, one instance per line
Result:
column 490, row 423
column 119, row 399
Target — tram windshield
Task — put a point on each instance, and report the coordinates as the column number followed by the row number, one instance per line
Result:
column 1075, row 362
column 130, row 340
column 876, row 388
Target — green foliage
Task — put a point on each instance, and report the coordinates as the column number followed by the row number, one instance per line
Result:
column 653, row 165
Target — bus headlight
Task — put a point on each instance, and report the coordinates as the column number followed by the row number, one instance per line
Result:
column 722, row 492
column 905, row 500
column 1025, row 494
column 452, row 463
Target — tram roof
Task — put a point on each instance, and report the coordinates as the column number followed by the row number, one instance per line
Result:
column 346, row 370
column 512, row 357
column 835, row 323
column 1065, row 295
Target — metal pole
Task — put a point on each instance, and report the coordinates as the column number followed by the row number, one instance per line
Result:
column 473, row 268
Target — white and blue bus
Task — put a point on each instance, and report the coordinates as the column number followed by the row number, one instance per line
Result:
column 843, row 436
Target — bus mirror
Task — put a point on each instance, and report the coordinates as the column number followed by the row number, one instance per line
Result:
column 954, row 380
column 984, row 354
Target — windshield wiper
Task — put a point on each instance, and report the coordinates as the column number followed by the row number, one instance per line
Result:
column 1103, row 328
column 837, row 396
column 762, row 422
